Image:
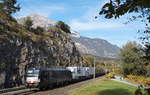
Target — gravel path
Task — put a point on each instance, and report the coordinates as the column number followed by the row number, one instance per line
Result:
column 66, row 89
column 126, row 82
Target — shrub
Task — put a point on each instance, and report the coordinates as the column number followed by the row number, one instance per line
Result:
column 23, row 34
column 39, row 30
column 111, row 75
column 139, row 80
column 63, row 26
column 28, row 23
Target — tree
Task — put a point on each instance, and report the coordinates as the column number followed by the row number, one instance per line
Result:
column 147, row 59
column 88, row 61
column 39, row 30
column 9, row 6
column 117, row 8
column 28, row 23
column 63, row 26
column 131, row 57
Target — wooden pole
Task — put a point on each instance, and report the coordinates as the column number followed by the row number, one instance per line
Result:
column 94, row 68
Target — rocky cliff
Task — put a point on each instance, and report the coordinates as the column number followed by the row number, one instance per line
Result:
column 21, row 49
column 95, row 46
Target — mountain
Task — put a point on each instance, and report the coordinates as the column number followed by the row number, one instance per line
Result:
column 96, row 47
column 38, row 21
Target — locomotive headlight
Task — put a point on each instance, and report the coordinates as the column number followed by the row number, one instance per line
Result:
column 38, row 80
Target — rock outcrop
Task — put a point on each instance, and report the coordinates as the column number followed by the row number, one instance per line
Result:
column 95, row 47
column 38, row 21
column 21, row 49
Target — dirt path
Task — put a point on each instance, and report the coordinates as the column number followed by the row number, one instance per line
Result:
column 67, row 89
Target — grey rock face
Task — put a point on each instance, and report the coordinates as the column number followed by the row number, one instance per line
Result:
column 38, row 21
column 19, row 54
column 21, row 49
column 96, row 47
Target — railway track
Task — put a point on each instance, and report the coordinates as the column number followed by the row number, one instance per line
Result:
column 17, row 91
column 58, row 90
column 65, row 90
column 11, row 89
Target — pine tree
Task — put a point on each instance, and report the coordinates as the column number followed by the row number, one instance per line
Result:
column 63, row 26
column 9, row 6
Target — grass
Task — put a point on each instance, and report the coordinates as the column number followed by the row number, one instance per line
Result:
column 105, row 87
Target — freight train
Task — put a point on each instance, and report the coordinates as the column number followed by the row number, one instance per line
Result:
column 44, row 78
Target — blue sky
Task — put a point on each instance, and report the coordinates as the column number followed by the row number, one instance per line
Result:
column 79, row 14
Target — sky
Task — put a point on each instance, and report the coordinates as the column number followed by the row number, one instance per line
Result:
column 80, row 16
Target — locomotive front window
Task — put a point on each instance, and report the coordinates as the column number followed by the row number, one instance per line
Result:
column 33, row 73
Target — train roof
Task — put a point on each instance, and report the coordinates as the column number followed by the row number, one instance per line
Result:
column 43, row 69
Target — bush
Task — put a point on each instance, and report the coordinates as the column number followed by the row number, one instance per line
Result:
column 22, row 34
column 111, row 75
column 28, row 23
column 39, row 30
column 63, row 26
column 139, row 80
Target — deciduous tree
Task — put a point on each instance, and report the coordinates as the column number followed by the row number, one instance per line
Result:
column 117, row 8
column 132, row 62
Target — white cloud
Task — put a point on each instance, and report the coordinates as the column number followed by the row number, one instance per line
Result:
column 93, row 25
column 41, row 10
column 87, row 22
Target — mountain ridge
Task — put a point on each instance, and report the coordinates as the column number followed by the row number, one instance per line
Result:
column 85, row 45
column 96, row 47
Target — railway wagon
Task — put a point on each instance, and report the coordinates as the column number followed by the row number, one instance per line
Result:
column 81, row 73
column 78, row 73
column 44, row 78
column 99, row 72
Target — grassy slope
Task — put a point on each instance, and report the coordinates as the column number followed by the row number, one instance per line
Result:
column 105, row 87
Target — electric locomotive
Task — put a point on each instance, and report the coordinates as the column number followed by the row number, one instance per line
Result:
column 44, row 78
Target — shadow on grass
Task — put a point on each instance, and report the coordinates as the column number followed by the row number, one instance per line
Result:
column 115, row 92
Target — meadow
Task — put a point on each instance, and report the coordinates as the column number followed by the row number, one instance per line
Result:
column 105, row 87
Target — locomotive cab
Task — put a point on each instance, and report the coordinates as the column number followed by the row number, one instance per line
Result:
column 32, row 78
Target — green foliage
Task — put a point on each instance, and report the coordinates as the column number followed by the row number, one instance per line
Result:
column 7, row 21
column 54, row 29
column 132, row 61
column 131, row 52
column 9, row 26
column 9, row 6
column 63, row 26
column 117, row 8
column 148, row 69
column 110, row 75
column 39, row 30
column 28, row 23
column 23, row 34
column 88, row 61
column 147, row 52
